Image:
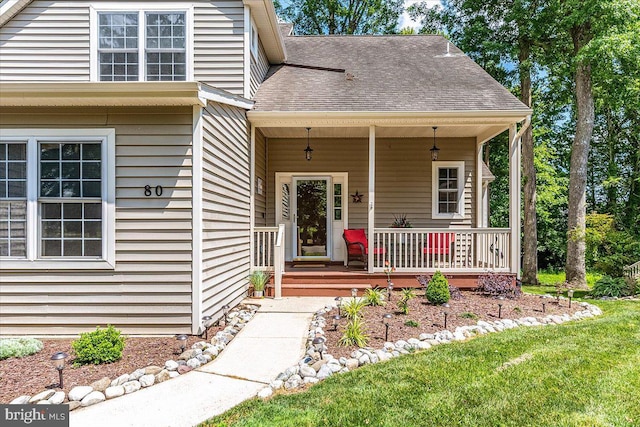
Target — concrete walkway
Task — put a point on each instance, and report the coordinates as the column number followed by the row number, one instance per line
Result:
column 271, row 342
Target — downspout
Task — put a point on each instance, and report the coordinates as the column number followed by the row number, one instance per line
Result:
column 527, row 123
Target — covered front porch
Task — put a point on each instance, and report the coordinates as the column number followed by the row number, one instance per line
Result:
column 372, row 172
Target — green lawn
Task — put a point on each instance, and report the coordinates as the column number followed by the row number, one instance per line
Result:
column 578, row 374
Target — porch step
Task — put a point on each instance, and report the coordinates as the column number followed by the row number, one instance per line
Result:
column 319, row 289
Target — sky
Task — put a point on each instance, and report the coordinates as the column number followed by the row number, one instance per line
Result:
column 405, row 20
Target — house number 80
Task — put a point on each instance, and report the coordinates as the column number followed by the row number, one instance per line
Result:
column 147, row 190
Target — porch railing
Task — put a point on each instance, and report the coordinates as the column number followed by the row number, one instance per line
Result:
column 269, row 253
column 451, row 249
column 632, row 270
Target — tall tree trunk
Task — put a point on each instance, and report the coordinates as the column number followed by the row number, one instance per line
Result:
column 530, row 239
column 575, row 266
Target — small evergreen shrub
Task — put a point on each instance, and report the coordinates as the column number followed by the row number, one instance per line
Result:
column 374, row 297
column 19, row 347
column 99, row 346
column 403, row 303
column 438, row 289
column 498, row 285
column 354, row 334
column 469, row 315
column 608, row 286
column 411, row 323
column 353, row 308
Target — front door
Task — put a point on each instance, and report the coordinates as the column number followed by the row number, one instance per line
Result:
column 311, row 227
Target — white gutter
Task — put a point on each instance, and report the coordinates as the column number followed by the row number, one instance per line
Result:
column 10, row 8
column 524, row 127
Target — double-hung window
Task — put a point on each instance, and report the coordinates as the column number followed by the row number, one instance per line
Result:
column 56, row 198
column 142, row 46
column 447, row 190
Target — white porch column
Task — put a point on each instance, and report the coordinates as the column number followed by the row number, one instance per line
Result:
column 514, row 198
column 372, row 196
column 252, row 200
column 479, row 168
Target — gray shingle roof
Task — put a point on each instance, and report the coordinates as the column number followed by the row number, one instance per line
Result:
column 390, row 73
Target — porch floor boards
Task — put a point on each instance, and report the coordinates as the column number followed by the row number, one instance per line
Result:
column 337, row 280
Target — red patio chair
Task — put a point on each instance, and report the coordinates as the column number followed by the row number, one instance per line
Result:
column 439, row 244
column 357, row 246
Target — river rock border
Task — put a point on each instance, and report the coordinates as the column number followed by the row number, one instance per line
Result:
column 199, row 354
column 312, row 368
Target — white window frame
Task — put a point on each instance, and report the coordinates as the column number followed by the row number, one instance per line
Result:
column 435, row 167
column 32, row 137
column 141, row 9
column 254, row 39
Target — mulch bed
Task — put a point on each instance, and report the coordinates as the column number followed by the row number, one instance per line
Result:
column 33, row 374
column 430, row 318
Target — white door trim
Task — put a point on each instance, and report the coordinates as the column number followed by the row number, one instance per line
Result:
column 283, row 177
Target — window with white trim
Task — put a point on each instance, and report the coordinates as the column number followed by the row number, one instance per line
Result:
column 142, row 46
column 56, row 195
column 255, row 42
column 447, row 190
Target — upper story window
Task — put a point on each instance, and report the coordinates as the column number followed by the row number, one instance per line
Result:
column 142, row 46
column 255, row 42
column 447, row 190
column 56, row 198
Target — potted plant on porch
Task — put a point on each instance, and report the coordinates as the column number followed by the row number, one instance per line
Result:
column 258, row 279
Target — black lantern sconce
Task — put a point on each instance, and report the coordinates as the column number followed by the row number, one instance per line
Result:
column 434, row 150
column 308, row 152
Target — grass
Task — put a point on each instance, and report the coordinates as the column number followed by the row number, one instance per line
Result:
column 548, row 280
column 577, row 374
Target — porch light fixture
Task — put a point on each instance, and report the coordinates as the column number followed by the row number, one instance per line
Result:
column 338, row 304
column 385, row 320
column 336, row 319
column 308, row 151
column 434, row 150
column 182, row 340
column 570, row 295
column 58, row 360
column 318, row 344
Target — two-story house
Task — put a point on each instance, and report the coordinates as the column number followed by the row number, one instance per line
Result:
column 149, row 151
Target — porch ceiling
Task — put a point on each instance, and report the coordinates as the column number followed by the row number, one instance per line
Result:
column 483, row 132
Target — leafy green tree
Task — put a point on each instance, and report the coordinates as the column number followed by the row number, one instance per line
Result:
column 342, row 16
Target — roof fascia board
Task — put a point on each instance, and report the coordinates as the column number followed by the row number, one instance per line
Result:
column 264, row 15
column 384, row 118
column 115, row 94
column 10, row 8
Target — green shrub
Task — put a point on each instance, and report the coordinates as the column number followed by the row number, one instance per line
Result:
column 374, row 297
column 354, row 334
column 608, row 286
column 99, row 346
column 608, row 248
column 259, row 279
column 411, row 323
column 19, row 347
column 438, row 289
column 353, row 308
column 403, row 303
column 469, row 315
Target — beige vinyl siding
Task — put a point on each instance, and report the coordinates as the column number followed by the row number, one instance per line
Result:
column 149, row 292
column 47, row 41
column 226, row 215
column 261, row 172
column 259, row 69
column 218, row 44
column 403, row 175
